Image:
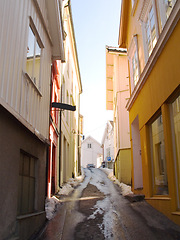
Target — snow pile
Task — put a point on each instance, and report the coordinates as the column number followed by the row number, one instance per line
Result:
column 51, row 206
column 68, row 187
column 125, row 188
column 52, row 203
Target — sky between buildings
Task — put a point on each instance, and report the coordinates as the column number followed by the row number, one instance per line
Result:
column 96, row 24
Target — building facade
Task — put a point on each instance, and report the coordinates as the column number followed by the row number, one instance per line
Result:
column 53, row 163
column 91, row 152
column 150, row 30
column 108, row 145
column 30, row 36
column 117, row 95
column 71, row 88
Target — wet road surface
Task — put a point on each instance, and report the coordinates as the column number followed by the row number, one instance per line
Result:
column 97, row 210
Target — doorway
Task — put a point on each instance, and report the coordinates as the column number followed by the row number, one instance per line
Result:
column 137, row 161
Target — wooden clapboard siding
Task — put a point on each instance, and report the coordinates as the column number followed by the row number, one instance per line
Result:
column 17, row 93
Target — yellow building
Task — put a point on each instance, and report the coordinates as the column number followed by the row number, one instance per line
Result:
column 71, row 90
column 150, row 30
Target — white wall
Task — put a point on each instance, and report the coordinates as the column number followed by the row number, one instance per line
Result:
column 108, row 142
column 18, row 94
column 90, row 155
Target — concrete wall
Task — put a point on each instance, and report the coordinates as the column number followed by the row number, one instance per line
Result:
column 13, row 138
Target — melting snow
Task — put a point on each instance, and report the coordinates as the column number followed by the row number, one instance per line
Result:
column 125, row 188
column 67, row 188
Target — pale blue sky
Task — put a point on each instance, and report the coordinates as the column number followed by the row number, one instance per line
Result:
column 96, row 24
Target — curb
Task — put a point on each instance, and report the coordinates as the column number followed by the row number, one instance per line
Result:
column 135, row 197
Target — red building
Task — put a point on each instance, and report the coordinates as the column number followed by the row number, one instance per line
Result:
column 54, row 132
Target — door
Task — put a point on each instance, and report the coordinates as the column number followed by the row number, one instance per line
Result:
column 137, row 161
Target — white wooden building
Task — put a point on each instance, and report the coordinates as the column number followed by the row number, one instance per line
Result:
column 31, row 36
column 91, row 152
column 108, row 145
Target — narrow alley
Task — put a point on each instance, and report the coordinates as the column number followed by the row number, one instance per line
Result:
column 97, row 210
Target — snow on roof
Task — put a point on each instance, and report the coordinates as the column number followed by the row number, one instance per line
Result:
column 116, row 49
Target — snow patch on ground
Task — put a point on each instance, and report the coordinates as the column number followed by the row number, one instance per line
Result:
column 50, row 207
column 125, row 188
column 52, row 203
column 68, row 187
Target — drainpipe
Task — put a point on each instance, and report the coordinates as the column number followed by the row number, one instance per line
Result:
column 47, row 153
column 60, row 116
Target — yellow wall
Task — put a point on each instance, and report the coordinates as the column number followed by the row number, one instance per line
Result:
column 123, row 166
column 161, row 83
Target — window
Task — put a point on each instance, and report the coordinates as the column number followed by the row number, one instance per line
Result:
column 165, row 8
column 150, row 30
column 89, row 145
column 149, row 23
column 56, row 112
column 27, row 181
column 168, row 7
column 160, row 182
column 176, row 132
column 135, row 68
column 134, row 62
column 34, row 49
column 67, row 112
column 133, row 3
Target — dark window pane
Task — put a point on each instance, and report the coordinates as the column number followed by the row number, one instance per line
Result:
column 26, row 166
column 31, row 194
column 32, row 167
column 25, row 195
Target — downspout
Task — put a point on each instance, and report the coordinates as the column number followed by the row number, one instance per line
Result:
column 60, row 116
column 47, row 155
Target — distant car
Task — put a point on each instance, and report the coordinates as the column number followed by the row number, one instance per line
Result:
column 90, row 165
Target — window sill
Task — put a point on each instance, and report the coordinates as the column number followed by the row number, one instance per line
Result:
column 158, row 198
column 176, row 213
column 21, row 217
column 32, row 83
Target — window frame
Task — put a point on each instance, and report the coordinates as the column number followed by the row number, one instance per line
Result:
column 22, row 175
column 89, row 145
column 162, row 11
column 131, row 52
column 157, row 116
column 144, row 15
column 176, row 165
column 37, row 40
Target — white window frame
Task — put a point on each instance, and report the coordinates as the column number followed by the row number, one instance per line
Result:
column 162, row 10
column 133, row 3
column 89, row 145
column 147, row 5
column 39, row 42
column 131, row 52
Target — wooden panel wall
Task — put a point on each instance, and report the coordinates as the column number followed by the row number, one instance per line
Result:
column 17, row 93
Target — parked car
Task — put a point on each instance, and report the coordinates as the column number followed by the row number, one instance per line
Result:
column 90, row 165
